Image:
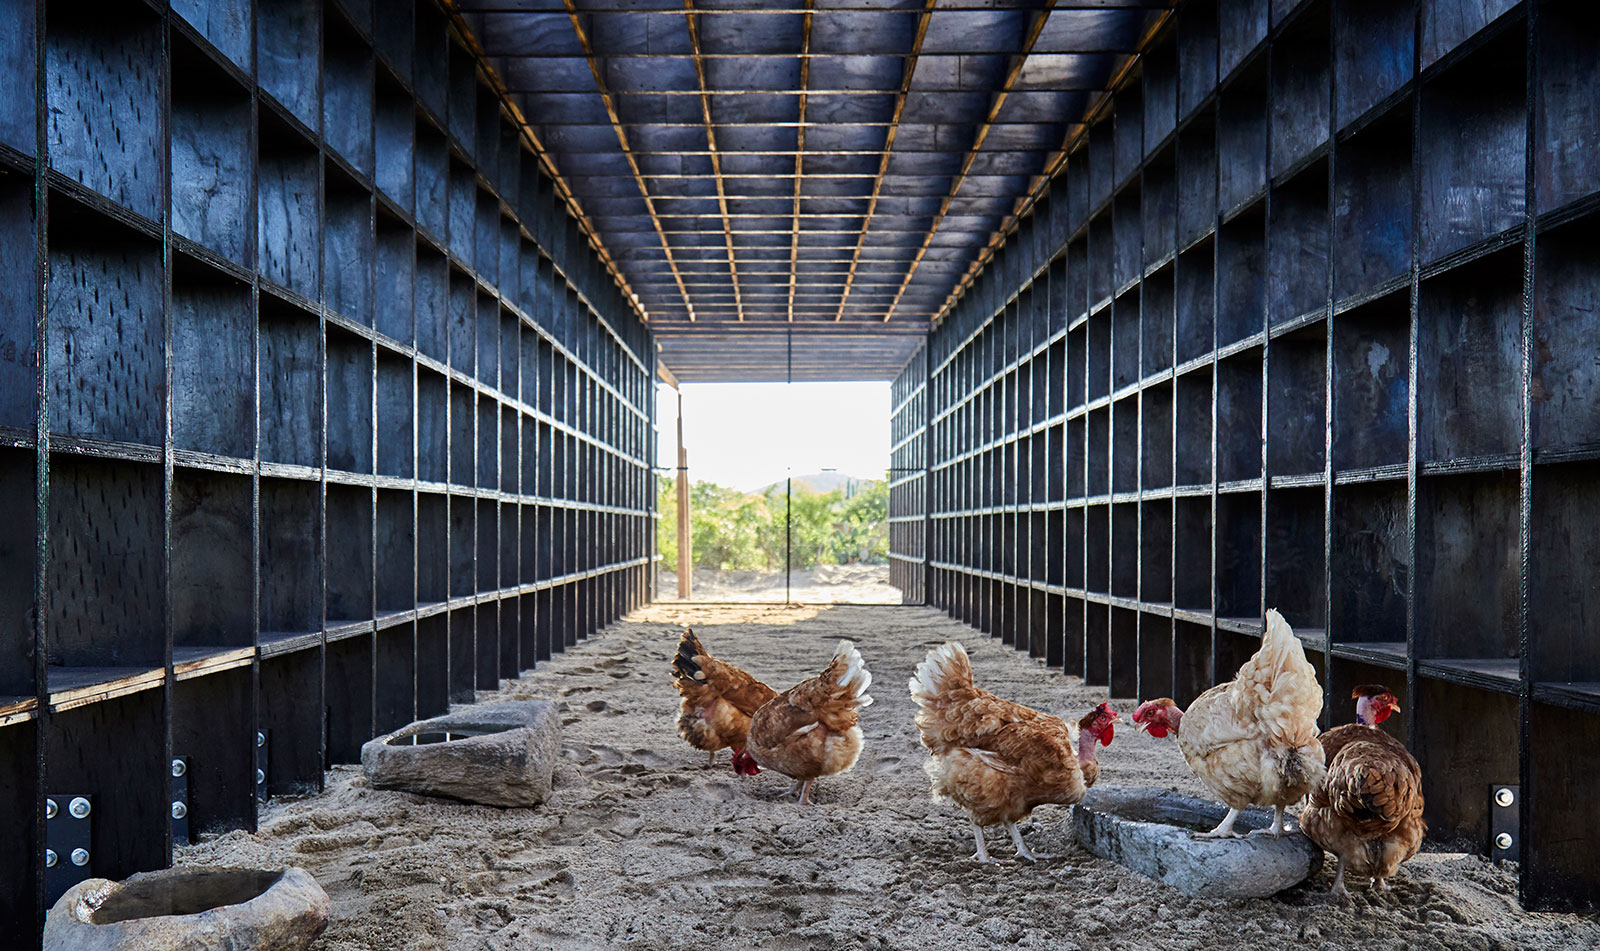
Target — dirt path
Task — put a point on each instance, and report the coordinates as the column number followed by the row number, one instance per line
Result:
column 643, row 847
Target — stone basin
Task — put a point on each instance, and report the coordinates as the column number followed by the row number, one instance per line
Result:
column 190, row 909
column 497, row 754
column 1151, row 830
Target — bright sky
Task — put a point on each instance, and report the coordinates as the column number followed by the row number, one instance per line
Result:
column 748, row 435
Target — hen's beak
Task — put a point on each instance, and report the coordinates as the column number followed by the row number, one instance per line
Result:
column 1143, row 725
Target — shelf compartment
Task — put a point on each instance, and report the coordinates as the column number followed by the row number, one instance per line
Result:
column 1192, row 547
column 1469, row 360
column 1155, row 552
column 1371, row 564
column 105, row 351
column 394, row 678
column 1125, row 340
column 1192, row 446
column 1239, row 555
column 462, row 198
column 1301, row 86
column 433, row 665
column 1241, row 276
column 1297, row 378
column 1242, row 136
column 105, row 574
column 103, row 85
column 19, row 796
column 347, row 94
column 433, row 426
column 18, row 554
column 211, row 154
column 1297, row 282
column 431, row 303
column 1155, row 656
column 463, row 414
column 463, row 656
column 213, row 729
column 1157, row 322
column 396, row 416
column 1296, row 579
column 488, row 546
column 396, row 536
column 394, row 139
column 18, row 115
column 463, row 580
column 1241, row 26
column 347, row 246
column 1160, row 205
column 350, row 399
column 463, row 321
column 1447, row 24
column 1197, row 177
column 1372, row 205
column 487, row 645
column 1567, row 103
column 290, row 557
column 1196, row 303
column 1239, row 430
column 350, row 707
column 350, row 552
column 1565, row 384
column 1155, row 436
column 1371, row 373
column 1123, row 680
column 288, row 216
column 433, row 562
column 288, row 41
column 1097, row 454
column 1124, row 451
column 1160, row 89
column 1197, row 53
column 488, row 443
column 19, row 310
column 115, row 753
column 1374, row 47
column 1560, row 843
column 1465, row 740
column 1468, row 553
column 1563, row 595
column 1472, row 147
column 213, row 574
column 1191, row 656
column 213, row 366
column 1125, row 550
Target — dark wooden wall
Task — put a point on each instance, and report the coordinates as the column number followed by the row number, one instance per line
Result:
column 1309, row 321
column 317, row 412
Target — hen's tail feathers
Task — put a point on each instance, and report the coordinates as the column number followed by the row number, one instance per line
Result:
column 1279, row 687
column 946, row 667
column 856, row 678
column 683, row 663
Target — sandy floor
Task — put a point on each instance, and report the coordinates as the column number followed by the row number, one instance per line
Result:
column 643, row 847
column 825, row 584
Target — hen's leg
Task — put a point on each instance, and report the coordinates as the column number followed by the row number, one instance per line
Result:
column 1338, row 882
column 982, row 855
column 1278, row 826
column 1022, row 847
column 713, row 758
column 805, row 792
column 794, row 788
column 1224, row 829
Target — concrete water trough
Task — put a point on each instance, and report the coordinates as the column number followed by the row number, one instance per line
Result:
column 191, row 909
column 1152, row 830
column 498, row 754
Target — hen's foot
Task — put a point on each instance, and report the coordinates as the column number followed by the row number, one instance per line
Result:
column 1224, row 829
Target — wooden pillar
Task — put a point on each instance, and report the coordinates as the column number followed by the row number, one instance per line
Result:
column 685, row 546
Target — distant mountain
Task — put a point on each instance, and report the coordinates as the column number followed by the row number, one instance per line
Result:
column 819, row 482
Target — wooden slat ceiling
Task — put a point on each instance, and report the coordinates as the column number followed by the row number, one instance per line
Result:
column 806, row 169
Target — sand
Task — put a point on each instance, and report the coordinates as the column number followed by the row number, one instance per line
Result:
column 824, row 584
column 643, row 846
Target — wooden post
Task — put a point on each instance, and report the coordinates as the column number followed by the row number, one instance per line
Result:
column 685, row 545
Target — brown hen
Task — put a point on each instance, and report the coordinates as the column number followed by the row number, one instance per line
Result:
column 718, row 698
column 1367, row 810
column 997, row 759
column 810, row 729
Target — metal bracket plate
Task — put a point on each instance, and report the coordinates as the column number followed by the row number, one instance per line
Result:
column 180, row 800
column 261, row 764
column 68, row 845
column 1505, row 823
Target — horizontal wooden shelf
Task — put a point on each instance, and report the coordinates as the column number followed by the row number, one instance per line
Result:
column 190, row 662
column 72, row 687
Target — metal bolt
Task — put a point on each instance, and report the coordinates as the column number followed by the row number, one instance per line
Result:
column 261, row 777
column 261, row 738
column 179, row 810
column 80, row 856
column 1504, row 797
column 49, row 858
column 1502, row 841
column 179, row 767
column 78, row 807
column 50, row 808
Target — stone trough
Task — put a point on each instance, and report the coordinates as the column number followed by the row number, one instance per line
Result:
column 1151, row 831
column 497, row 754
column 190, row 909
